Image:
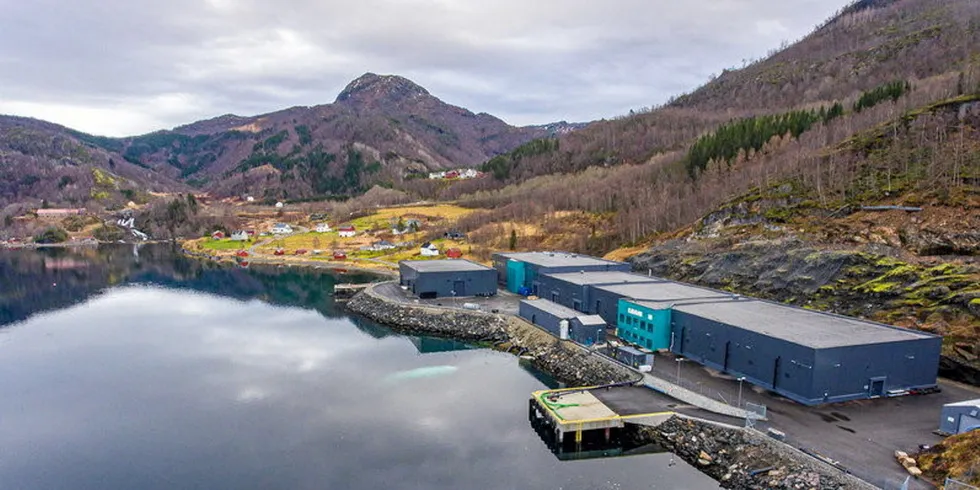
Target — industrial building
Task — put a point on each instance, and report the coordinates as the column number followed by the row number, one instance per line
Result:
column 520, row 271
column 960, row 417
column 807, row 356
column 563, row 322
column 575, row 289
column 447, row 278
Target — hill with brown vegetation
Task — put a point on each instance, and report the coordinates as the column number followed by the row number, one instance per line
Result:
column 381, row 130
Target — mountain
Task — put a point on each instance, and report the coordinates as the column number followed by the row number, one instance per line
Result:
column 44, row 161
column 380, row 130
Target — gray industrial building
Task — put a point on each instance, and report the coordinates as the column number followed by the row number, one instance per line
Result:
column 447, row 278
column 521, row 270
column 564, row 322
column 960, row 417
column 804, row 355
column 807, row 356
column 605, row 298
column 576, row 289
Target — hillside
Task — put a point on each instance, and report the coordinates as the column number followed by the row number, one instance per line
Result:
column 40, row 161
column 757, row 181
column 380, row 130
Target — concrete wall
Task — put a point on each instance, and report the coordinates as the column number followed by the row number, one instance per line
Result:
column 846, row 373
column 775, row 364
column 473, row 283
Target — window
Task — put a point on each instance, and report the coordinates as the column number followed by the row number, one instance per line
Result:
column 621, row 318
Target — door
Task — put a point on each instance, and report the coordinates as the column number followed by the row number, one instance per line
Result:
column 577, row 305
column 459, row 287
column 877, row 387
column 775, row 371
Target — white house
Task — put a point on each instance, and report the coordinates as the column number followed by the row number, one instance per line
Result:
column 250, row 199
column 469, row 173
column 429, row 250
column 437, row 175
column 323, row 228
column 281, row 229
column 279, row 205
column 347, row 231
column 239, row 236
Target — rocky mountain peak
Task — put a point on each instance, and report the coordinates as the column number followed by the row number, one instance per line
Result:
column 390, row 88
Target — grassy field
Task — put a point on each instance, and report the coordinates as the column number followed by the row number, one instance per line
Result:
column 209, row 244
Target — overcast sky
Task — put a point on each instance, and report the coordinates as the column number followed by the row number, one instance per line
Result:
column 123, row 67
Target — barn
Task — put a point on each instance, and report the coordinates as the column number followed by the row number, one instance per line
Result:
column 807, row 356
column 562, row 322
column 447, row 278
column 960, row 417
column 521, row 271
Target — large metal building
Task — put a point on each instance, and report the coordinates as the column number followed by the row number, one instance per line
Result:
column 960, row 417
column 575, row 289
column 807, row 356
column 447, row 278
column 521, row 270
column 563, row 322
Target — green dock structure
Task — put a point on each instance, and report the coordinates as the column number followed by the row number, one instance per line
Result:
column 597, row 413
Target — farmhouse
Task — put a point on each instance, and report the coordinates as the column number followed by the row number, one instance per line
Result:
column 347, row 231
column 281, row 229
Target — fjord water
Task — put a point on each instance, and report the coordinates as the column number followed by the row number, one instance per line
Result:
column 125, row 368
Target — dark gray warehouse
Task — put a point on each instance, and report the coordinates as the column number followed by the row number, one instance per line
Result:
column 447, row 278
column 804, row 355
column 960, row 417
column 807, row 356
column 520, row 271
column 577, row 290
column 562, row 322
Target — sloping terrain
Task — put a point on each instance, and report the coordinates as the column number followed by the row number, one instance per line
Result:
column 380, row 130
column 40, row 161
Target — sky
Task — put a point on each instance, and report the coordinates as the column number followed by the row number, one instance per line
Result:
column 126, row 67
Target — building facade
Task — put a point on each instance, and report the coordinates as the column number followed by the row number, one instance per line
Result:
column 447, row 278
column 960, row 417
column 521, row 271
column 562, row 322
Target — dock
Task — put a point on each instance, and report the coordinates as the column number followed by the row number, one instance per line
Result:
column 348, row 290
column 597, row 413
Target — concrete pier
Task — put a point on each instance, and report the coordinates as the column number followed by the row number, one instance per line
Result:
column 597, row 412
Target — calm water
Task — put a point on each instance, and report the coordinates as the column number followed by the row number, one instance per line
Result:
column 120, row 371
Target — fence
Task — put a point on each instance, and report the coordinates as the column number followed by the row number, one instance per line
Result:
column 952, row 484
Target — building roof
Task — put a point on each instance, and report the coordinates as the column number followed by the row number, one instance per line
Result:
column 558, row 259
column 553, row 308
column 804, row 327
column 455, row 265
column 664, row 291
column 591, row 320
column 603, row 277
column 968, row 403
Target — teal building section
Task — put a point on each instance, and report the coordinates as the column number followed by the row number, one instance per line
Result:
column 516, row 275
column 644, row 326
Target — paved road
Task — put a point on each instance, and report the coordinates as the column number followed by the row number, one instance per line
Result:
column 504, row 302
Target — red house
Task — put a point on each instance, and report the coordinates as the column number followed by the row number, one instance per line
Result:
column 338, row 255
column 452, row 174
column 218, row 235
column 454, row 253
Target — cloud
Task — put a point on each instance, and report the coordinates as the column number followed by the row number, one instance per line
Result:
column 130, row 66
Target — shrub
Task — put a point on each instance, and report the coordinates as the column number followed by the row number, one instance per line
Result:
column 51, row 234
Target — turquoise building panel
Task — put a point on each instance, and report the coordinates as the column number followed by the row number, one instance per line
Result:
column 644, row 326
column 516, row 275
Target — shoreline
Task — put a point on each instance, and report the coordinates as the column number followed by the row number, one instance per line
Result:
column 340, row 267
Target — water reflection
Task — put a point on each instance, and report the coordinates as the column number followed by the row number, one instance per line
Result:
column 155, row 378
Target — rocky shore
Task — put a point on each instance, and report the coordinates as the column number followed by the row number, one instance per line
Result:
column 741, row 459
column 563, row 360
